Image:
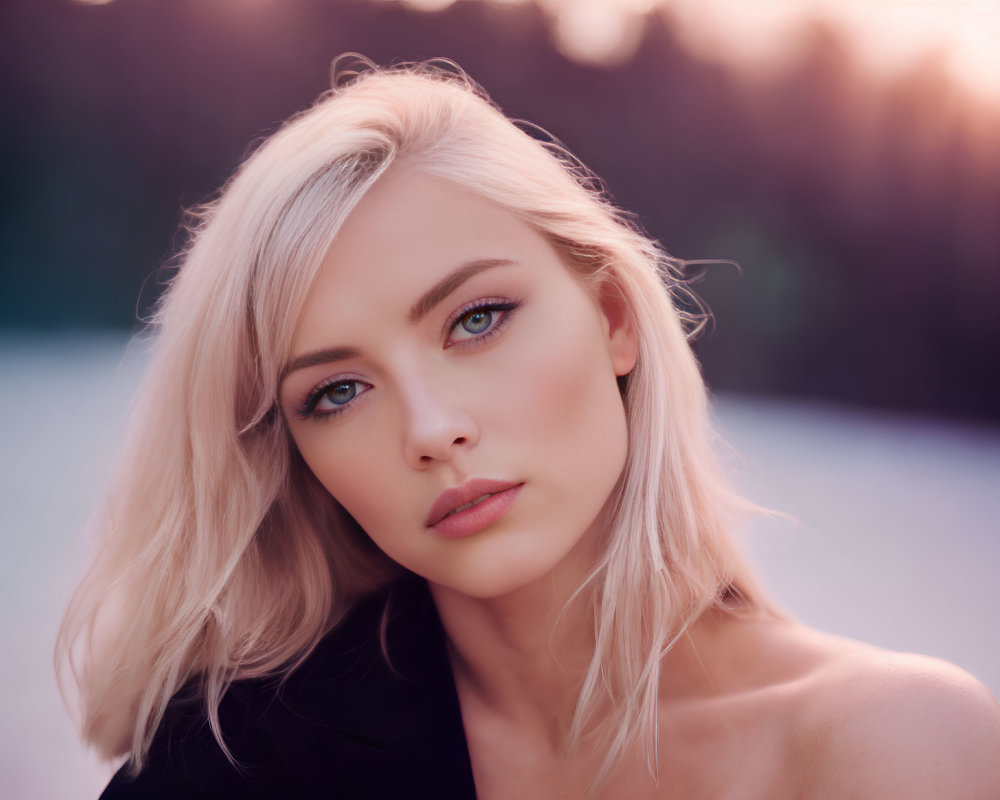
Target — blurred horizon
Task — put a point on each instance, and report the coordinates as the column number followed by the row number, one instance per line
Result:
column 846, row 155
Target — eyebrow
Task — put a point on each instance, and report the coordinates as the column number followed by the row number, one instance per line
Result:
column 436, row 294
column 317, row 357
column 450, row 282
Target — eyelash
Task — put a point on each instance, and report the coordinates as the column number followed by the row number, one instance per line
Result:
column 505, row 308
column 308, row 407
column 491, row 305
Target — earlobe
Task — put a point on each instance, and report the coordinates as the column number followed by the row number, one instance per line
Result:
column 623, row 338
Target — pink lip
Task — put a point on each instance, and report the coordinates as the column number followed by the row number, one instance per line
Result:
column 451, row 524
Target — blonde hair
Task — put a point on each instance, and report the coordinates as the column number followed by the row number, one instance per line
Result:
column 224, row 558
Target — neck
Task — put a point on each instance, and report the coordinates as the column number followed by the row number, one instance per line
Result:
column 524, row 655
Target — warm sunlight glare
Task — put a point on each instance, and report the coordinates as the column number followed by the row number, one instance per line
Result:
column 892, row 35
column 598, row 31
column 428, row 5
column 888, row 36
column 594, row 31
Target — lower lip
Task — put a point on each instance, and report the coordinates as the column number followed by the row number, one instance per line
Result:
column 477, row 517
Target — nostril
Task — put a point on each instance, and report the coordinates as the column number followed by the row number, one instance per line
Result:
column 425, row 447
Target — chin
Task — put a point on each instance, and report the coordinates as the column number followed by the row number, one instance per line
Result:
column 494, row 575
column 491, row 584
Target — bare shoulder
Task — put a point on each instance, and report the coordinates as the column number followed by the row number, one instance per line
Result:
column 809, row 715
column 881, row 724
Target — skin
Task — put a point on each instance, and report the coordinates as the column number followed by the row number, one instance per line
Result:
column 749, row 708
column 532, row 399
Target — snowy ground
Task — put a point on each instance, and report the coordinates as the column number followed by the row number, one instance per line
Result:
column 897, row 540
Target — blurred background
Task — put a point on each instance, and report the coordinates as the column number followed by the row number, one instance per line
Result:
column 845, row 154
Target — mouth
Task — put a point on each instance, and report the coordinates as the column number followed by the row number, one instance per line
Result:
column 466, row 496
column 475, row 502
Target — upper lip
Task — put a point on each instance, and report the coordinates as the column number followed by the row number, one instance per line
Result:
column 460, row 495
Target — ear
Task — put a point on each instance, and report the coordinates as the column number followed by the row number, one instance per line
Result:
column 623, row 338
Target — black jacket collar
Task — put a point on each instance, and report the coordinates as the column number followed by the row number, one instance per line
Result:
column 348, row 723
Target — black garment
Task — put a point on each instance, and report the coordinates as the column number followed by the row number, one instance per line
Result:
column 346, row 724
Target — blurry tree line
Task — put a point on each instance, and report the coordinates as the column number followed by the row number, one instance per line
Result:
column 864, row 216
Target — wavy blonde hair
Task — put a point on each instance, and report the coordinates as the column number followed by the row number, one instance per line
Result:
column 224, row 558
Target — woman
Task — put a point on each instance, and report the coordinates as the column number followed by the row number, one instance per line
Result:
column 419, row 501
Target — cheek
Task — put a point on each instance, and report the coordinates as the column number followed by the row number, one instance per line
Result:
column 574, row 402
column 354, row 472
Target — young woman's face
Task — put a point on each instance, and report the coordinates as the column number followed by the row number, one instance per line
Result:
column 446, row 356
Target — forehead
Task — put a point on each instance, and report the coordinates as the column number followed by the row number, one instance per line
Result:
column 407, row 233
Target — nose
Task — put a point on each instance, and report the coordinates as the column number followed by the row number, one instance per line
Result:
column 437, row 425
